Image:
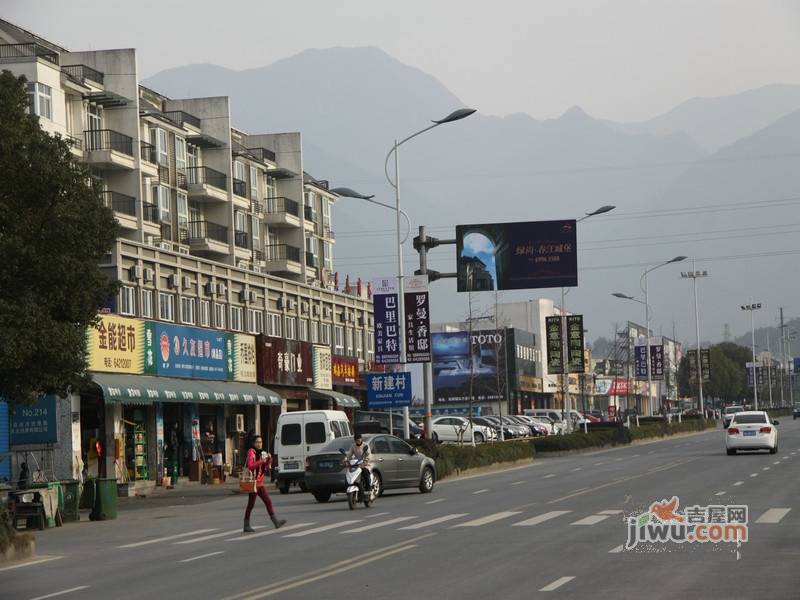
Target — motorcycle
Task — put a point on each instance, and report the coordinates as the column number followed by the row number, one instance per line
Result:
column 355, row 486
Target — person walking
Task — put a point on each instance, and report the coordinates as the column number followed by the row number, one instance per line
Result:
column 259, row 462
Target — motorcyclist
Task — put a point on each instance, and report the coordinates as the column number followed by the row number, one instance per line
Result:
column 361, row 451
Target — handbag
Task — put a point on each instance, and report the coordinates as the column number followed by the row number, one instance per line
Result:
column 248, row 482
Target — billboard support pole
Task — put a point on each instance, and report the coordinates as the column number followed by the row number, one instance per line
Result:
column 566, row 403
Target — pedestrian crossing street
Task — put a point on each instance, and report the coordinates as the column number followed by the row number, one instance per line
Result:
column 453, row 521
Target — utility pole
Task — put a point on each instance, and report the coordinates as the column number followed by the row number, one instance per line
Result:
column 783, row 358
column 751, row 308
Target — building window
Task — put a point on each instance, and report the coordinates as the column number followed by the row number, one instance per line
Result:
column 127, row 300
column 302, row 330
column 205, row 313
column 290, row 328
column 255, row 320
column 183, row 210
column 94, row 117
column 326, row 334
column 338, row 345
column 274, row 325
column 161, row 200
column 193, row 155
column 40, row 97
column 256, row 231
column 240, row 220
column 328, row 255
column 311, row 245
column 370, row 346
column 187, row 310
column 180, row 153
column 326, row 213
column 147, row 303
column 166, row 307
column 236, row 318
column 348, row 338
column 359, row 344
column 158, row 137
column 315, row 332
column 219, row 315
column 253, row 183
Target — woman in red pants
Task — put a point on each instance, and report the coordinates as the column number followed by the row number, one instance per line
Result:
column 259, row 461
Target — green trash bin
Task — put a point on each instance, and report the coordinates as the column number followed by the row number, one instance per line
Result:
column 71, row 495
column 53, row 485
column 105, row 500
column 87, row 494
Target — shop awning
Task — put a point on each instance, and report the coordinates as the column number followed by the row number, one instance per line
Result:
column 141, row 389
column 341, row 400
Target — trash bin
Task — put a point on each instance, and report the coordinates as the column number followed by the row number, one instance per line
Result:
column 87, row 494
column 105, row 500
column 59, row 492
column 71, row 489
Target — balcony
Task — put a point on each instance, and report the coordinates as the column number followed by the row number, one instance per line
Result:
column 257, row 208
column 258, row 257
column 124, row 208
column 182, row 118
column 147, row 152
column 310, row 218
column 83, row 73
column 312, row 260
column 75, row 143
column 150, row 213
column 241, row 239
column 181, row 180
column 328, row 234
column 282, row 212
column 240, row 187
column 109, row 149
column 206, row 236
column 284, row 259
column 32, row 50
column 262, row 154
column 207, row 185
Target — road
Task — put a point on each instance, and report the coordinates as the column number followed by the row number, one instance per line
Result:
column 554, row 528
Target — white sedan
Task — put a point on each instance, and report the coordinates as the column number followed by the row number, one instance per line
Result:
column 456, row 429
column 751, row 430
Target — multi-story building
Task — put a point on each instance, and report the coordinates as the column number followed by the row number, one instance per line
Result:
column 219, row 228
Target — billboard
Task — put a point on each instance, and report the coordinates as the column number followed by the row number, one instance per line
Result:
column 640, row 354
column 516, row 256
column 321, row 365
column 191, row 352
column 462, row 363
column 656, row 362
column 244, row 358
column 386, row 302
column 521, row 352
column 555, row 346
column 284, row 362
column 389, row 390
column 115, row 345
column 35, row 423
column 575, row 358
column 418, row 319
column 344, row 370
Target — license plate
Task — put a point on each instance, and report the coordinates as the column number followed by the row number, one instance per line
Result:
column 326, row 464
column 749, row 433
column 291, row 465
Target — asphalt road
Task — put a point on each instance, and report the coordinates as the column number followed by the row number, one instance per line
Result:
column 552, row 529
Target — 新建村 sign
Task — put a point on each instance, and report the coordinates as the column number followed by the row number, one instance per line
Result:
column 389, row 390
column 115, row 345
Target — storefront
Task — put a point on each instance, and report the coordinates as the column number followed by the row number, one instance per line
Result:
column 345, row 379
column 286, row 367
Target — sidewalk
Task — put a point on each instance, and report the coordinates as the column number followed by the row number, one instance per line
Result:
column 180, row 495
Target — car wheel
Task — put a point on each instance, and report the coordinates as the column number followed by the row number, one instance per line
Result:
column 377, row 485
column 774, row 450
column 731, row 451
column 302, row 486
column 435, row 437
column 478, row 437
column 322, row 497
column 283, row 488
column 427, row 481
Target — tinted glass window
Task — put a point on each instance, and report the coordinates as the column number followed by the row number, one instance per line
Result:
column 733, row 409
column 290, row 434
column 346, row 429
column 315, row 433
column 399, row 446
column 380, row 446
column 745, row 419
column 337, row 431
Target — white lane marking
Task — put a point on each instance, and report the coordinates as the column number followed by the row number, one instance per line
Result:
column 576, row 469
column 518, row 483
column 62, row 592
column 616, row 549
column 284, row 529
column 611, row 512
column 597, row 464
column 753, row 474
column 773, row 515
column 484, row 490
column 489, row 519
column 777, row 462
column 618, row 459
column 31, row 563
column 720, row 493
column 549, row 476
column 556, row 584
column 766, row 468
column 553, row 514
column 379, row 524
column 652, row 452
column 381, row 514
column 168, row 538
column 323, row 528
column 591, row 520
column 214, row 536
column 194, row 558
column 635, row 455
column 436, row 501
column 432, row 522
column 739, row 483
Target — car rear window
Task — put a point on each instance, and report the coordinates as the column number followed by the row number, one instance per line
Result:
column 733, row 409
column 315, row 433
column 290, row 434
column 745, row 419
column 380, row 446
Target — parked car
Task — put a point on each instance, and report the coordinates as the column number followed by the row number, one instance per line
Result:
column 556, row 426
column 511, row 429
column 300, row 434
column 494, row 424
column 398, row 421
column 395, row 465
column 751, row 430
column 728, row 412
column 795, row 411
column 596, row 413
column 538, row 427
column 455, row 429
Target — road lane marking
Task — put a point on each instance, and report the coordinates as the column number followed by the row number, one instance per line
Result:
column 611, row 512
column 720, row 493
column 576, row 469
column 436, row 501
column 556, row 584
column 739, row 483
column 591, row 520
column 518, row 483
column 766, row 468
column 635, row 455
column 379, row 524
column 432, row 522
column 578, row 490
column 777, row 462
column 616, row 549
column 753, row 474
column 773, row 515
column 62, row 592
column 553, row 514
column 618, row 459
column 489, row 519
column 549, row 476
column 194, row 558
column 597, row 464
column 30, row 563
column 214, row 536
column 323, row 528
column 168, row 538
column 381, row 514
column 652, row 452
column 484, row 490
column 284, row 529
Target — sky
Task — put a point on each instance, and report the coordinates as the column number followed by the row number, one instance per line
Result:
column 624, row 60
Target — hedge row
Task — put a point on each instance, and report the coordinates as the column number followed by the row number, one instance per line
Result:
column 652, row 430
column 580, row 440
column 451, row 459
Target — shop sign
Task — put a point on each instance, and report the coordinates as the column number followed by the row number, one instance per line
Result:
column 191, row 352
column 656, row 362
column 115, row 345
column 35, row 424
column 418, row 319
column 640, row 354
column 285, row 362
column 322, row 367
column 385, row 299
column 530, row 384
column 344, row 370
column 389, row 390
column 244, row 357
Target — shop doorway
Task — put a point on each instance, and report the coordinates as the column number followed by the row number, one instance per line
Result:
column 93, row 435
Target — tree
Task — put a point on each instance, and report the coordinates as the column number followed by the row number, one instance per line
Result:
column 54, row 230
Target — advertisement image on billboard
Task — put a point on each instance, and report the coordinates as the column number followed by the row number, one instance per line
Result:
column 191, row 352
column 285, row 362
column 461, row 364
column 387, row 328
column 516, row 256
column 115, row 345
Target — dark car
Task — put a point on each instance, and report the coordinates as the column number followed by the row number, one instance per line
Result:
column 414, row 430
column 395, row 465
column 494, row 424
column 796, row 411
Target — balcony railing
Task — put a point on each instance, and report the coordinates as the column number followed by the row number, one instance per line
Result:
column 208, row 176
column 108, row 139
column 181, row 180
column 206, row 230
column 180, row 117
column 283, row 205
column 262, row 153
column 28, row 50
column 74, row 141
column 150, row 212
column 241, row 239
column 258, row 255
column 163, row 174
column 119, row 202
column 282, row 252
column 310, row 214
column 312, row 260
column 329, row 234
column 256, row 207
column 240, row 187
column 82, row 73
column 147, row 152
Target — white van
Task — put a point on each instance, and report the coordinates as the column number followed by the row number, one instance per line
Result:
column 299, row 435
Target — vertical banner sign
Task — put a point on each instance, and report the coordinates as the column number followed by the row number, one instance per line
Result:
column 385, row 292
column 692, row 358
column 321, row 359
column 575, row 362
column 641, row 362
column 657, row 361
column 555, row 348
column 418, row 319
column 760, row 376
column 705, row 362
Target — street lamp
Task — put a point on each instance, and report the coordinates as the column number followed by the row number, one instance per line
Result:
column 751, row 308
column 427, row 371
column 694, row 276
column 632, row 299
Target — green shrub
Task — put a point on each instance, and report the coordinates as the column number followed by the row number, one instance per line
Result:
column 580, row 440
column 7, row 532
column 452, row 459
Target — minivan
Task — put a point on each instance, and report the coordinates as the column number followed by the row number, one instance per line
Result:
column 299, row 435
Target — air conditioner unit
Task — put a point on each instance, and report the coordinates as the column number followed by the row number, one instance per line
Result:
column 209, row 289
column 314, row 310
column 173, row 281
column 149, row 275
column 292, row 304
column 165, row 245
column 183, row 250
column 327, row 312
column 252, row 296
column 150, row 240
column 242, row 295
column 135, row 272
column 239, row 423
column 185, row 282
column 304, row 307
column 222, row 289
column 242, row 264
column 281, row 303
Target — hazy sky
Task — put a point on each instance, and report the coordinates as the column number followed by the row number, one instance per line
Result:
column 618, row 59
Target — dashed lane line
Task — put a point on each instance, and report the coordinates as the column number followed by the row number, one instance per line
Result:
column 489, row 519
column 432, row 522
column 720, row 493
column 62, row 592
column 214, row 536
column 616, row 549
column 611, row 512
column 323, row 528
column 738, row 483
column 591, row 520
column 553, row 514
column 168, row 538
column 483, row 491
column 773, row 515
column 436, row 501
column 557, row 584
column 379, row 524
column 549, row 476
column 202, row 556
column 284, row 529
column 753, row 474
column 518, row 483
column 30, row 563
